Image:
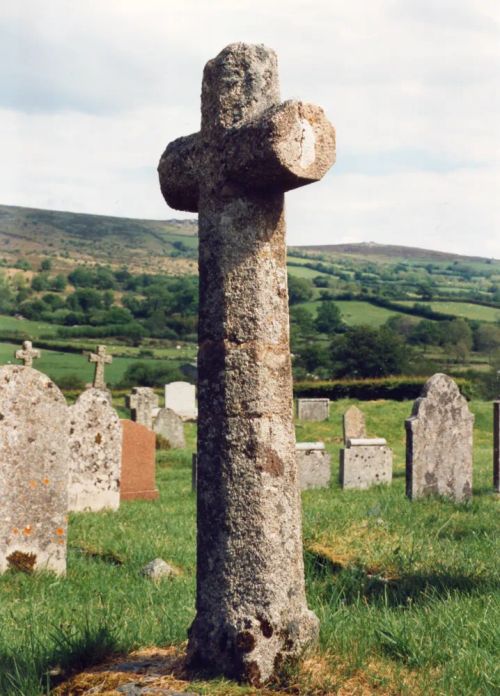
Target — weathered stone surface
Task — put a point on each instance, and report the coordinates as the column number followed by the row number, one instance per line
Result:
column 496, row 446
column 439, row 442
column 138, row 472
column 95, row 442
column 158, row 569
column 101, row 359
column 181, row 398
column 313, row 409
column 314, row 465
column 170, row 426
column 354, row 424
column 143, row 405
column 27, row 354
column 34, row 458
column 251, row 607
column 363, row 466
column 369, row 441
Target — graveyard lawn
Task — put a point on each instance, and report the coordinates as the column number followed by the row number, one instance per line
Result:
column 407, row 593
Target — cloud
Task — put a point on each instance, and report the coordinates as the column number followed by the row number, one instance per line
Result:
column 92, row 92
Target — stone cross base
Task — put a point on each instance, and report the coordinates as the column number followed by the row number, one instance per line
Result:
column 363, row 466
column 314, row 465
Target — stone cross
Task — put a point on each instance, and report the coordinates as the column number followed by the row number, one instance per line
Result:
column 251, row 609
column 142, row 403
column 100, row 358
column 27, row 354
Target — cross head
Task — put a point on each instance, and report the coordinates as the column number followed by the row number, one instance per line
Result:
column 27, row 354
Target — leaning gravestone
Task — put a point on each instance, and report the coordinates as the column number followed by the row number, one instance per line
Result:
column 95, row 443
column 33, row 471
column 439, row 442
column 313, row 409
column 143, row 404
column 170, row 426
column 496, row 446
column 252, row 613
column 181, row 398
column 364, row 461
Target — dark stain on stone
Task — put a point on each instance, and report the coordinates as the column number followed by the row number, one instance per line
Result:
column 431, row 483
column 265, row 627
column 98, row 439
column 72, row 430
column 270, row 462
column 245, row 641
column 252, row 674
column 1, row 416
column 467, row 490
column 24, row 562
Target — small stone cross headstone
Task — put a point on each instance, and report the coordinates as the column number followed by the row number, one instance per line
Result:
column 27, row 354
column 95, row 443
column 34, row 457
column 439, row 442
column 251, row 606
column 143, row 403
column 101, row 359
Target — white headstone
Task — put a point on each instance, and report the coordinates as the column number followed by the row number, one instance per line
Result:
column 181, row 398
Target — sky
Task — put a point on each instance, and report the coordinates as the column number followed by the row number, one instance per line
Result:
column 91, row 92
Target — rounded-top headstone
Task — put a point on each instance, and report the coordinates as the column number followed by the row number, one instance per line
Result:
column 95, row 436
column 33, row 471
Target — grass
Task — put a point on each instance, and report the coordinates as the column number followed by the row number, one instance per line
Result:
column 466, row 310
column 406, row 592
column 34, row 328
column 355, row 313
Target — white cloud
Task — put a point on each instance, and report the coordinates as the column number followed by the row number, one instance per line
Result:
column 91, row 92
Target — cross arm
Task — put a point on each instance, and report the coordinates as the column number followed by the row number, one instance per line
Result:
column 178, row 173
column 289, row 145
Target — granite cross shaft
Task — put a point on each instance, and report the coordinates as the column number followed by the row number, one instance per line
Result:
column 27, row 354
column 252, row 614
column 100, row 358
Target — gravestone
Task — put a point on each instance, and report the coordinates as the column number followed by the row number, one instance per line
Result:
column 181, row 398
column 34, row 458
column 252, row 614
column 314, row 465
column 364, row 461
column 138, row 470
column 354, row 424
column 313, row 409
column 170, row 426
column 143, row 404
column 496, row 446
column 95, row 443
column 101, row 359
column 439, row 442
column 27, row 354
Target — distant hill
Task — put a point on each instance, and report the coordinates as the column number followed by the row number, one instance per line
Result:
column 69, row 238
column 153, row 246
column 387, row 252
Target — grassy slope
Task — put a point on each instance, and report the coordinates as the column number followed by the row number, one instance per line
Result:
column 466, row 310
column 407, row 604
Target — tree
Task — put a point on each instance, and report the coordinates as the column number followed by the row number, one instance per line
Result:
column 487, row 338
column 299, row 290
column 458, row 339
column 328, row 318
column 366, row 352
column 46, row 265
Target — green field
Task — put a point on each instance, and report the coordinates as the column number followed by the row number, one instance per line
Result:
column 58, row 364
column 466, row 310
column 303, row 272
column 407, row 593
column 35, row 329
column 356, row 313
